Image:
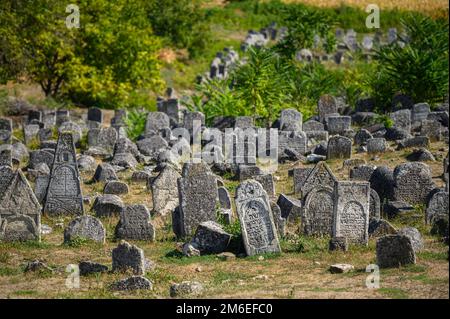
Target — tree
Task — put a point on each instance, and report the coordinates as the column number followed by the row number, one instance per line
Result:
column 110, row 58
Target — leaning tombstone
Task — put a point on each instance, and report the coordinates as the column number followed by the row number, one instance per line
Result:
column 128, row 257
column 164, row 191
column 395, row 251
column 339, row 147
column 258, row 228
column 412, row 183
column 20, row 211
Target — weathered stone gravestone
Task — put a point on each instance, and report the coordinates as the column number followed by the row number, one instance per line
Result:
column 420, row 112
column 6, row 175
column 437, row 207
column 299, row 175
column 294, row 140
column 382, row 181
column 326, row 106
column 64, row 195
column 258, row 228
column 101, row 141
column 171, row 107
column 128, row 257
column 351, row 211
column 165, row 191
column 402, row 120
column 156, row 121
column 376, row 145
column 85, row 227
column 291, row 120
column 318, row 201
column 338, row 125
column 375, row 205
column 49, row 119
column 6, row 129
column 312, row 125
column 362, row 172
column 62, row 116
column 412, row 182
column 30, row 132
column 197, row 193
column 73, row 128
column 135, row 223
column 152, row 146
column 395, row 251
column 95, row 115
column 116, row 188
column 339, row 147
column 6, row 155
column 431, row 129
column 190, row 117
column 20, row 211
column 40, row 156
column 34, row 115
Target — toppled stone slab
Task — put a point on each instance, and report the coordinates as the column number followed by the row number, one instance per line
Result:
column 186, row 288
column 133, row 283
column 85, row 227
column 210, row 238
column 107, row 205
column 89, row 267
column 341, row 268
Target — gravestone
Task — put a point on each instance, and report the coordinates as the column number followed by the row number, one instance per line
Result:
column 291, row 120
column 95, row 115
column 6, row 175
column 156, row 121
column 85, row 227
column 362, row 172
column 338, row 125
column 351, row 211
column 259, row 233
column 437, row 207
column 243, row 122
column 294, row 140
column 320, row 175
column 49, row 119
column 34, row 115
column 197, row 193
column 362, row 136
column 376, row 145
column 152, row 146
column 317, row 217
column 339, row 147
column 165, row 191
column 190, row 117
column 395, row 251
column 312, row 125
column 431, row 129
column 6, row 129
column 116, row 188
column 5, row 155
column 382, row 181
column 72, row 128
column 375, row 205
column 135, row 224
column 299, row 175
column 30, row 132
column 420, row 112
column 171, row 107
column 267, row 183
column 20, row 211
column 101, row 141
column 107, row 205
column 402, row 120
column 62, row 116
column 412, row 182
column 128, row 257
column 104, row 172
column 326, row 106
column 45, row 134
column 64, row 195
column 315, row 138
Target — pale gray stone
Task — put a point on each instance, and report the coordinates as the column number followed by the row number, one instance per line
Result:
column 85, row 227
column 135, row 223
column 128, row 257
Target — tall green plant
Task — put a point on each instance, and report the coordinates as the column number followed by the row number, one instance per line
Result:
column 419, row 69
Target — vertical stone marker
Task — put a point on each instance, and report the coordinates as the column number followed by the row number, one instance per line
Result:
column 412, row 183
column 64, row 195
column 326, row 106
column 20, row 211
column 318, row 201
column 291, row 120
column 164, row 191
column 197, row 192
column 258, row 228
column 351, row 211
column 135, row 224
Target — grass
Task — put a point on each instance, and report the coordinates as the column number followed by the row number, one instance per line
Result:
column 394, row 293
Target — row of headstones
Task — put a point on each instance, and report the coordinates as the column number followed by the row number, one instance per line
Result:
column 261, row 38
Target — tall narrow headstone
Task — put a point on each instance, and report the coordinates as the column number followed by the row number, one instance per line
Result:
column 351, row 211
column 64, row 195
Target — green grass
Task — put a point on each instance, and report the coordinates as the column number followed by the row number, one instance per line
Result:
column 395, row 293
column 433, row 255
column 10, row 271
column 25, row 293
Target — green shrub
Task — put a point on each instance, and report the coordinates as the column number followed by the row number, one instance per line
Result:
column 419, row 69
column 135, row 120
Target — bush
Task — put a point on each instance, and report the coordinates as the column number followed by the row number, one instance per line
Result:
column 419, row 69
column 135, row 121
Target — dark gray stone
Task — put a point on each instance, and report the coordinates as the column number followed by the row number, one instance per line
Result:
column 394, row 208
column 88, row 267
column 132, row 283
column 412, row 182
column 338, row 244
column 116, row 188
column 339, row 147
column 107, row 205
column 414, row 235
column 104, row 172
column 128, row 257
column 382, row 181
column 210, row 238
column 395, row 251
column 85, row 227
column 135, row 223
